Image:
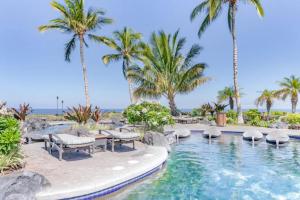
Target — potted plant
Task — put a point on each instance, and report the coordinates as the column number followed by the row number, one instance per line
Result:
column 221, row 115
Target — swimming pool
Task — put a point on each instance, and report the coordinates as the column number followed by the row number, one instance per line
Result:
column 228, row 168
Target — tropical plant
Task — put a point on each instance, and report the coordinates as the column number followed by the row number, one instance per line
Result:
column 266, row 97
column 290, row 86
column 11, row 161
column 10, row 136
column 196, row 112
column 127, row 47
column 154, row 116
column 96, row 114
column 22, row 112
column 227, row 94
column 293, row 119
column 212, row 9
column 167, row 72
column 231, row 116
column 207, row 108
column 81, row 114
column 251, row 114
column 78, row 22
column 219, row 107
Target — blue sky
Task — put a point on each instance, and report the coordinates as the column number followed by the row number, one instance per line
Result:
column 33, row 69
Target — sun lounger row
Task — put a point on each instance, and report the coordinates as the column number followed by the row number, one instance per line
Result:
column 66, row 142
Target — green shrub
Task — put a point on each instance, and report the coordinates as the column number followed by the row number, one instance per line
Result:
column 9, row 135
column 293, row 119
column 152, row 115
column 11, row 161
column 196, row 112
column 278, row 113
column 252, row 114
column 231, row 116
column 260, row 123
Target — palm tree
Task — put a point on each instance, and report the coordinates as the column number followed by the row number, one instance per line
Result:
column 76, row 21
column 127, row 46
column 266, row 97
column 227, row 94
column 212, row 9
column 166, row 71
column 290, row 87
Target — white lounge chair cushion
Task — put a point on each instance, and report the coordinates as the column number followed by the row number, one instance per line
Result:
column 72, row 140
column 121, row 135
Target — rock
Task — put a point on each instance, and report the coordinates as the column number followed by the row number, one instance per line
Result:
column 183, row 133
column 35, row 125
column 205, row 121
column 156, row 139
column 170, row 136
column 212, row 123
column 279, row 125
column 22, row 185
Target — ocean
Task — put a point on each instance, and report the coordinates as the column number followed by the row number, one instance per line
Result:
column 51, row 111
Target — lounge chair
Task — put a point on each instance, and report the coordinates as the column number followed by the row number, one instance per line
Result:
column 65, row 143
column 121, row 137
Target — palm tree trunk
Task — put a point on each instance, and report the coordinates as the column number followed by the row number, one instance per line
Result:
column 85, row 79
column 172, row 105
column 231, row 103
column 235, row 66
column 294, row 101
column 132, row 99
column 268, row 110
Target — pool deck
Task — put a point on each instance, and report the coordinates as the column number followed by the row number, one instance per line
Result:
column 78, row 174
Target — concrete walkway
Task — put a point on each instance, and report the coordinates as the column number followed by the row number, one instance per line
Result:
column 78, row 174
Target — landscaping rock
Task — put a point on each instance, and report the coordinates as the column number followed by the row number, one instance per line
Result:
column 280, row 125
column 183, row 133
column 156, row 139
column 35, row 125
column 21, row 186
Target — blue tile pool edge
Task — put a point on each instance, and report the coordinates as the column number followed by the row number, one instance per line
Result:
column 117, row 187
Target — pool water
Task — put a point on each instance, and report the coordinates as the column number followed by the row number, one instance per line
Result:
column 228, row 168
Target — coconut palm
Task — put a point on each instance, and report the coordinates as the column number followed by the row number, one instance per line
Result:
column 212, row 9
column 290, row 86
column 227, row 94
column 78, row 22
column 166, row 71
column 267, row 97
column 127, row 47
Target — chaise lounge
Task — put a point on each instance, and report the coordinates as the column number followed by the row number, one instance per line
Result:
column 121, row 137
column 66, row 143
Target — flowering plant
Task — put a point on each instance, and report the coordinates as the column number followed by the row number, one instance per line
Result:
column 152, row 115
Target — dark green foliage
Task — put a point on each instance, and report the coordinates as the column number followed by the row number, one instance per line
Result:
column 9, row 135
column 252, row 114
column 196, row 112
column 219, row 107
column 231, row 117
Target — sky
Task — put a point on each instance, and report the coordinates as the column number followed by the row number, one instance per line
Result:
column 33, row 70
